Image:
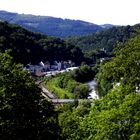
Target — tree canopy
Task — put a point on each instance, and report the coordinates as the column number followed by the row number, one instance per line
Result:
column 116, row 115
column 124, row 68
column 28, row 47
column 105, row 39
column 24, row 113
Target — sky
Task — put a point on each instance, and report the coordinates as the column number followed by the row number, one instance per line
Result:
column 117, row 12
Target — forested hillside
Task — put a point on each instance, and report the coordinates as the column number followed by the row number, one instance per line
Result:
column 106, row 39
column 116, row 115
column 124, row 68
column 50, row 25
column 31, row 47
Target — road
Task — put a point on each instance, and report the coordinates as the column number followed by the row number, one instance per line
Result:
column 50, row 73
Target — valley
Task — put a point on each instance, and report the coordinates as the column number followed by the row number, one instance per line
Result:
column 79, row 87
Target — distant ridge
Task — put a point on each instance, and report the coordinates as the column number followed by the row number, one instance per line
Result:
column 107, row 26
column 52, row 26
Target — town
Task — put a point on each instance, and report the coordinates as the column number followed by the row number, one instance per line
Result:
column 47, row 68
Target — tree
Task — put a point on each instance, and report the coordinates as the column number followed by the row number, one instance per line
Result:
column 24, row 113
column 70, row 118
column 115, row 117
column 83, row 74
column 81, row 91
column 124, row 68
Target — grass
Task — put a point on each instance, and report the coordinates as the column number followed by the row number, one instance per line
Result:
column 61, row 93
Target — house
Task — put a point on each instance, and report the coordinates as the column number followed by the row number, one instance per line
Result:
column 56, row 66
column 46, row 66
column 43, row 68
column 37, row 70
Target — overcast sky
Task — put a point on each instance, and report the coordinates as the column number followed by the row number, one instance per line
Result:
column 118, row 12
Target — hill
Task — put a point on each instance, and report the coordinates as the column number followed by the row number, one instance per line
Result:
column 52, row 26
column 32, row 47
column 106, row 39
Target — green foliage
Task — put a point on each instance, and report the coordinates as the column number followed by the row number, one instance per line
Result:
column 106, row 39
column 114, row 117
column 70, row 84
column 64, row 86
column 83, row 74
column 81, row 91
column 31, row 47
column 94, row 56
column 124, row 68
column 70, row 119
column 62, row 93
column 24, row 113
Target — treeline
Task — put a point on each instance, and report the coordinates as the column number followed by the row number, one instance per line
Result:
column 71, row 84
column 106, row 39
column 28, row 47
column 51, row 26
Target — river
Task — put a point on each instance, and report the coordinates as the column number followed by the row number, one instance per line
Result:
column 93, row 94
